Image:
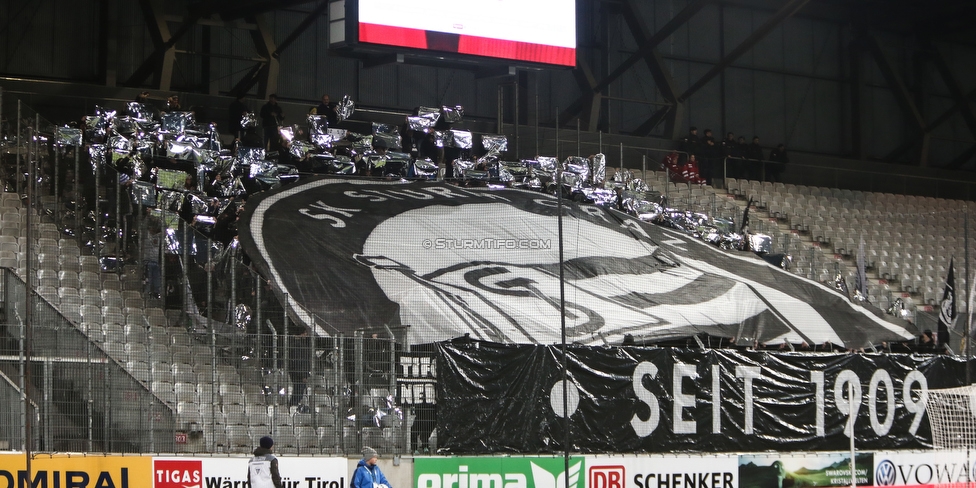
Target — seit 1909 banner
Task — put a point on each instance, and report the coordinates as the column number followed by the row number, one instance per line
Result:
column 508, row 398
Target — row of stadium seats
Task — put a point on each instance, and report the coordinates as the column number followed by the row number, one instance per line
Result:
column 908, row 240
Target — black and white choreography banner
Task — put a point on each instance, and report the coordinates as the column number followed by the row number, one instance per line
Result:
column 447, row 261
column 505, row 398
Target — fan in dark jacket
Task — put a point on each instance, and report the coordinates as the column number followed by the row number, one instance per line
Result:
column 262, row 469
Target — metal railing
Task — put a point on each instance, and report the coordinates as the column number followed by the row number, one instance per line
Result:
column 86, row 400
column 106, row 365
column 108, row 387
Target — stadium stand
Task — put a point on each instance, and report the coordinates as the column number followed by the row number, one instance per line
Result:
column 170, row 362
column 223, row 396
column 907, row 244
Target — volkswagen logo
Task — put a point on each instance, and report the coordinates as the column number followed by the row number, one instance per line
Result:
column 885, row 474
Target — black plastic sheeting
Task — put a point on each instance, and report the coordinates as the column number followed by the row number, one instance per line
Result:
column 496, row 398
column 443, row 261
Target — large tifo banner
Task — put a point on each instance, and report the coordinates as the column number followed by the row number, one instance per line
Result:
column 509, row 398
column 445, row 261
column 96, row 471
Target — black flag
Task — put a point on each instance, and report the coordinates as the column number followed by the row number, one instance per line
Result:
column 745, row 217
column 861, row 278
column 947, row 313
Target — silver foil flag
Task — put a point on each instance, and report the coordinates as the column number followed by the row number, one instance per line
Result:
column 460, row 139
column 386, row 134
column 462, row 166
column 300, row 149
column 104, row 112
column 579, row 166
column 249, row 120
column 318, row 125
column 67, row 136
column 96, row 125
column 176, row 122
column 547, row 163
column 168, row 199
column 494, row 144
column 140, row 112
column 96, row 153
column 346, row 108
column 287, row 133
column 425, row 168
column 453, row 115
column 250, row 155
column 760, row 243
column 426, row 118
column 144, row 193
column 125, row 124
column 599, row 169
column 121, row 144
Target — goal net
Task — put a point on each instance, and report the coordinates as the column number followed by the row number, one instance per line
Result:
column 952, row 416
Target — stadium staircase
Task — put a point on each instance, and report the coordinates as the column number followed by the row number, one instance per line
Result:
column 167, row 359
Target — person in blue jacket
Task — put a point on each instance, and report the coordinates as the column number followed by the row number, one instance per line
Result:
column 368, row 474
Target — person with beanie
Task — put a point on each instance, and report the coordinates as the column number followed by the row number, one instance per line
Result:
column 368, row 474
column 262, row 470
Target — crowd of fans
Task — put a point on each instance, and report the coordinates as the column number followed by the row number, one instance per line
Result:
column 708, row 159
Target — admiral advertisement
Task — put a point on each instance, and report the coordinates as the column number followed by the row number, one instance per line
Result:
column 74, row 471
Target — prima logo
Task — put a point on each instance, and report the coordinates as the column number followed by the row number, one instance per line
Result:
column 886, row 474
column 511, row 473
column 544, row 479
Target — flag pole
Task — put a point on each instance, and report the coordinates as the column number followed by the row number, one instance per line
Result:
column 969, row 298
column 562, row 307
column 850, row 400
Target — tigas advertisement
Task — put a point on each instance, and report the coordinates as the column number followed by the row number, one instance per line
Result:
column 232, row 472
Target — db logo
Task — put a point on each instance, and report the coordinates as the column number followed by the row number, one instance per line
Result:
column 607, row 477
column 885, row 474
column 177, row 474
